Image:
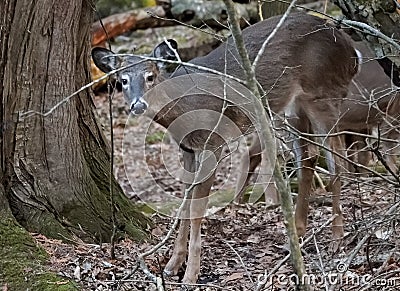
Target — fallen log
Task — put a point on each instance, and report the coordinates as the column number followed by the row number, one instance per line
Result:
column 213, row 16
column 120, row 23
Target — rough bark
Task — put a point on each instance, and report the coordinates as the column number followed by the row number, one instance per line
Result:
column 55, row 168
column 273, row 8
column 381, row 15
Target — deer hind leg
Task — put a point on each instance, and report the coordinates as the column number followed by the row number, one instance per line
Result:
column 334, row 165
column 180, row 245
column 363, row 158
column 245, row 174
column 391, row 162
column 391, row 150
column 306, row 158
column 357, row 151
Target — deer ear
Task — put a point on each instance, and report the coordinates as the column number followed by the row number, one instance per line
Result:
column 165, row 50
column 105, row 59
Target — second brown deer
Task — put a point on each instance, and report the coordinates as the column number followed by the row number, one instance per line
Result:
column 372, row 103
column 305, row 72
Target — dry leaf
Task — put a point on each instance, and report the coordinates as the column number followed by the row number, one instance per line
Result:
column 255, row 239
column 77, row 273
column 383, row 234
column 157, row 231
column 233, row 277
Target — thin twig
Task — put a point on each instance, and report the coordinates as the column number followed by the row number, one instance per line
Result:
column 370, row 30
column 319, row 257
column 273, row 33
column 111, row 178
column 167, row 283
column 215, row 35
column 31, row 113
column 111, row 173
column 357, row 25
column 347, row 261
column 241, row 261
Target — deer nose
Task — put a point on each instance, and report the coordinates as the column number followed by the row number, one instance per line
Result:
column 138, row 107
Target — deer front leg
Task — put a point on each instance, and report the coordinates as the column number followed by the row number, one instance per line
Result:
column 197, row 212
column 206, row 163
column 180, row 245
column 391, row 151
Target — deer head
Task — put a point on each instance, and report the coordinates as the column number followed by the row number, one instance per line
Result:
column 137, row 74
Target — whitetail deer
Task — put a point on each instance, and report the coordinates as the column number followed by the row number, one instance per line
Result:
column 305, row 70
column 372, row 101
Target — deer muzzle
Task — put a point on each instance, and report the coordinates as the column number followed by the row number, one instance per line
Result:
column 139, row 107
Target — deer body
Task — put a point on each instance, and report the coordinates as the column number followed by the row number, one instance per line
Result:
column 305, row 70
column 371, row 97
column 372, row 102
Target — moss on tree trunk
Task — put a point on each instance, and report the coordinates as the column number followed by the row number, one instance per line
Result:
column 22, row 263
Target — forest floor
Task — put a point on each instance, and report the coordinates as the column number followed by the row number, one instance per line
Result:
column 241, row 244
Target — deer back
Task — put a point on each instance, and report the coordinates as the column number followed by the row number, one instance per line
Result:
column 307, row 54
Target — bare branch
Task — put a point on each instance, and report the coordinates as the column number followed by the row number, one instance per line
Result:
column 365, row 28
column 30, row 113
column 267, row 137
column 268, row 39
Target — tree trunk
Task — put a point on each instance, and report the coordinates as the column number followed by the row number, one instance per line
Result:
column 55, row 168
column 273, row 8
column 383, row 16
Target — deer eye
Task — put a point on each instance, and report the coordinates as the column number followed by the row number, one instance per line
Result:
column 150, row 78
column 124, row 81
